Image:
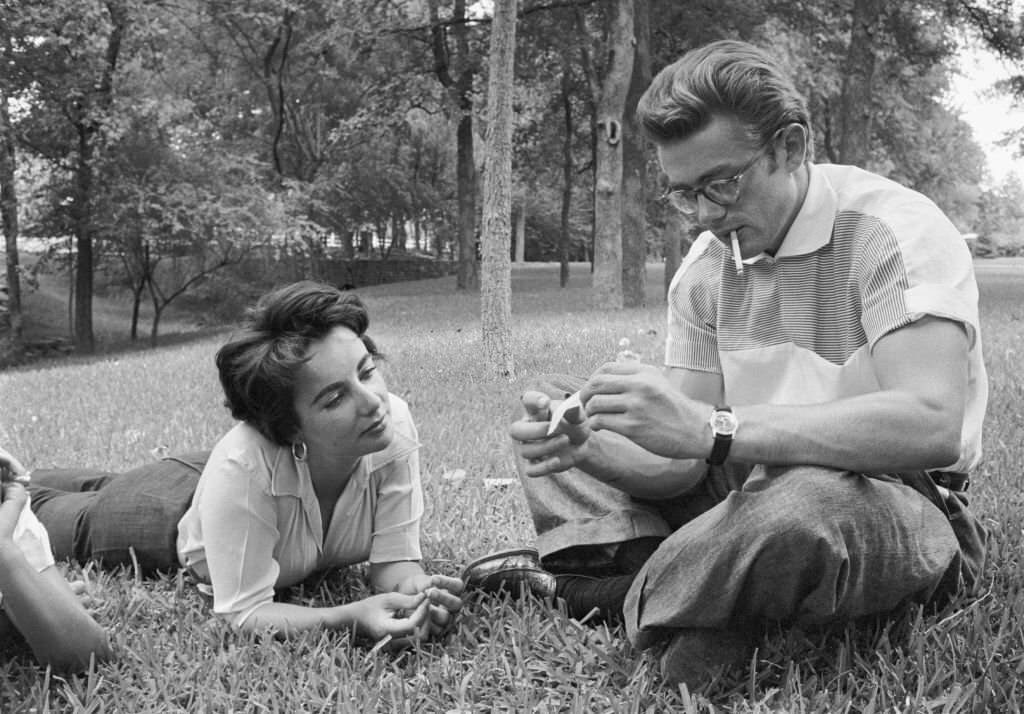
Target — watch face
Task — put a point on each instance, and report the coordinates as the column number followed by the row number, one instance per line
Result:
column 724, row 423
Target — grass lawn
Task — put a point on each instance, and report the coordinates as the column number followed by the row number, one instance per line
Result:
column 112, row 411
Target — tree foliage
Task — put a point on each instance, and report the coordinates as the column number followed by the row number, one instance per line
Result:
column 202, row 129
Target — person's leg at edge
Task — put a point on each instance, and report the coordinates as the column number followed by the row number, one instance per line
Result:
column 118, row 515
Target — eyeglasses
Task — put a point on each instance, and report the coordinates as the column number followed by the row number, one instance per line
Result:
column 723, row 192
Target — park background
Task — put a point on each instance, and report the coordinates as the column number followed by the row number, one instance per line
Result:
column 162, row 163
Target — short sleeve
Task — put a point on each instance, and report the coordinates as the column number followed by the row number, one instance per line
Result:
column 399, row 496
column 909, row 270
column 692, row 338
column 32, row 539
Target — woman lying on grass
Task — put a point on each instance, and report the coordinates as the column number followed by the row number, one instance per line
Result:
column 35, row 599
column 321, row 472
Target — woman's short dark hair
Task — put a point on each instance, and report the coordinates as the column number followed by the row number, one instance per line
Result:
column 259, row 366
column 728, row 78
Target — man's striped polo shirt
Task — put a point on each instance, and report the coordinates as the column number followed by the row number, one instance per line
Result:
column 864, row 256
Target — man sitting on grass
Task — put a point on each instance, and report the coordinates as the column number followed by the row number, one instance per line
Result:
column 803, row 454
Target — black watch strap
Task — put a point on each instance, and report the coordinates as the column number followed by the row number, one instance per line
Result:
column 723, row 441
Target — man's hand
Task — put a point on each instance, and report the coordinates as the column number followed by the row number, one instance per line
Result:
column 546, row 455
column 637, row 401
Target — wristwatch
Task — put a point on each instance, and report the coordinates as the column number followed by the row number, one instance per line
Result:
column 723, row 427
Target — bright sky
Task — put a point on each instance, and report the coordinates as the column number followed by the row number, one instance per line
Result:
column 991, row 115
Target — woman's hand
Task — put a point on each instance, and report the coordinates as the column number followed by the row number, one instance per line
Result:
column 396, row 615
column 443, row 594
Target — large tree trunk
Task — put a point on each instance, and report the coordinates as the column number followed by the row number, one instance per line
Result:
column 607, row 285
column 11, row 344
column 634, row 162
column 856, row 106
column 496, row 285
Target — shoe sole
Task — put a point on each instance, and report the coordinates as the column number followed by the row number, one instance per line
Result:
column 503, row 555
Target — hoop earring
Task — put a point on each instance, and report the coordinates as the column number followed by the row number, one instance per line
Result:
column 299, row 451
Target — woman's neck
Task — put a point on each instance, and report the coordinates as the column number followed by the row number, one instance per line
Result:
column 330, row 476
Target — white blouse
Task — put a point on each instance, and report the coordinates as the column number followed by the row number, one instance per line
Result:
column 254, row 524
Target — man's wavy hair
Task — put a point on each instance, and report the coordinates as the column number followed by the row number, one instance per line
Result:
column 258, row 368
column 728, row 78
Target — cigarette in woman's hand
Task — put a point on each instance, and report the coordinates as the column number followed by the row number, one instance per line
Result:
column 736, row 253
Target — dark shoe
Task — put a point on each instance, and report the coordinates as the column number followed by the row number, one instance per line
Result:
column 695, row 655
column 514, row 571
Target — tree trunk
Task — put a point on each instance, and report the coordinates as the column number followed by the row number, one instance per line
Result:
column 675, row 228
column 607, row 281
column 856, row 106
column 460, row 89
column 85, row 342
column 87, row 125
column 154, row 330
column 568, row 168
column 521, row 233
column 136, row 308
column 138, row 286
column 347, row 244
column 12, row 345
column 398, row 234
column 468, row 275
column 634, row 161
column 496, row 283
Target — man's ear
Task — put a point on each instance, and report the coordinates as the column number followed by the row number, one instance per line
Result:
column 794, row 138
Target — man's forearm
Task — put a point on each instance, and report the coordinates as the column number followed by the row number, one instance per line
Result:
column 619, row 462
column 872, row 433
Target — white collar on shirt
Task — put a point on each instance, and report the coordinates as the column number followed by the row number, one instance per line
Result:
column 812, row 227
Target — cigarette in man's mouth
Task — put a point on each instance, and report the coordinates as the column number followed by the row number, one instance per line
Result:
column 736, row 253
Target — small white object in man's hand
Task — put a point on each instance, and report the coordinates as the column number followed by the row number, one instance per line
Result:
column 572, row 401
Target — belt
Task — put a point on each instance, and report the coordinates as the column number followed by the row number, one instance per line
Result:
column 953, row 480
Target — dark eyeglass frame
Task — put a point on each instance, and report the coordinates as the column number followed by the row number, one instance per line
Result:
column 685, row 200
